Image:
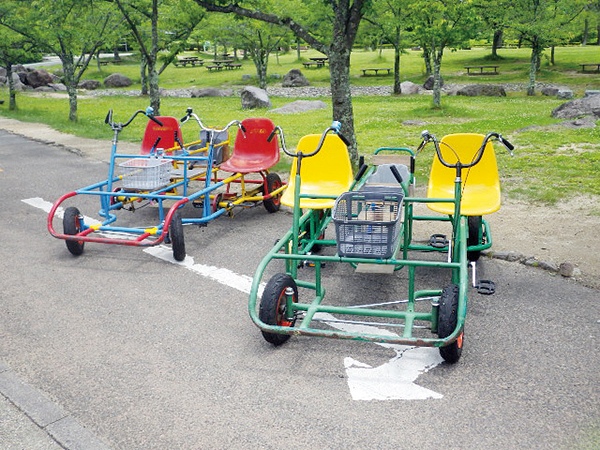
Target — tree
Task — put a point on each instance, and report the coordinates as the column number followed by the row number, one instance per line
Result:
column 389, row 17
column 345, row 17
column 540, row 23
column 72, row 29
column 441, row 24
column 14, row 49
column 181, row 15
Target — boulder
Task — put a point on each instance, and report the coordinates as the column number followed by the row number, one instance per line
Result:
column 3, row 72
column 22, row 76
column 550, row 91
column 39, row 77
column 294, row 78
column 428, row 85
column 211, row 92
column 246, row 77
column 300, row 106
column 584, row 122
column 589, row 92
column 564, row 94
column 482, row 90
column 586, row 106
column 59, row 87
column 44, row 89
column 409, row 88
column 90, row 85
column 253, row 97
column 117, row 80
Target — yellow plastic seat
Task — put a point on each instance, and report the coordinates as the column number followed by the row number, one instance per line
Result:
column 329, row 172
column 480, row 183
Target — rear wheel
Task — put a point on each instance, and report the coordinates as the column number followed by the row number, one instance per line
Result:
column 272, row 183
column 273, row 306
column 72, row 224
column 475, row 234
column 447, row 320
column 176, row 237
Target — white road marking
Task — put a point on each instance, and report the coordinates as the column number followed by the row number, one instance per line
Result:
column 393, row 380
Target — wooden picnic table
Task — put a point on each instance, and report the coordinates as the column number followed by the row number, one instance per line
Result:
column 596, row 65
column 376, row 70
column 193, row 61
column 481, row 72
column 320, row 60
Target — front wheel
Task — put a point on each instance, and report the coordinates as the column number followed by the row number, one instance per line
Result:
column 272, row 183
column 176, row 237
column 447, row 320
column 72, row 224
column 273, row 306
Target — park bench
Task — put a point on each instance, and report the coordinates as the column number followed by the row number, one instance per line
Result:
column 481, row 68
column 311, row 64
column 376, row 71
column 596, row 65
column 192, row 61
column 215, row 67
column 233, row 66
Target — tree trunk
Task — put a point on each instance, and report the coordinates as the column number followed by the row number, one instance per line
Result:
column 143, row 76
column 437, row 82
column 12, row 98
column 552, row 55
column 496, row 43
column 261, row 59
column 152, row 72
column 535, row 56
column 397, row 87
column 586, row 30
column 427, row 59
column 339, row 69
column 116, row 55
column 298, row 48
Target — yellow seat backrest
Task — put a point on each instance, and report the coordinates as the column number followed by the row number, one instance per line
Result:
column 329, row 172
column 480, row 183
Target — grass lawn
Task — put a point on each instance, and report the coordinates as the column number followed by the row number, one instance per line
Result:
column 551, row 162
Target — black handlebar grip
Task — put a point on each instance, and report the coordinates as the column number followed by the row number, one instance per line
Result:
column 184, row 117
column 344, row 139
column 508, row 145
column 396, row 174
column 155, row 120
column 156, row 143
column 108, row 119
column 272, row 135
column 243, row 128
column 361, row 172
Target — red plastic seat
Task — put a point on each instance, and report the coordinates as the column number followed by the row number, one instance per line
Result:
column 166, row 132
column 253, row 153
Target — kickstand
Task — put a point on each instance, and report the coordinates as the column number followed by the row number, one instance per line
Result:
column 484, row 287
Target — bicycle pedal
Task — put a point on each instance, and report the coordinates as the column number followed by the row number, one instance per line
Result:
column 438, row 241
column 486, row 287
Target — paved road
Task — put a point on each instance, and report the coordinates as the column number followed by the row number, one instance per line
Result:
column 145, row 354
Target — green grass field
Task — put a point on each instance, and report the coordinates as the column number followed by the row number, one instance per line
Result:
column 551, row 162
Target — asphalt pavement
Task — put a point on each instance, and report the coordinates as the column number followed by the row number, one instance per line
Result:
column 126, row 349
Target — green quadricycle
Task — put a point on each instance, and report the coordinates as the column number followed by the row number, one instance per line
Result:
column 374, row 214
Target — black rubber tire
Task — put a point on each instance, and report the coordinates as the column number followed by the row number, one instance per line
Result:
column 447, row 320
column 176, row 237
column 474, row 227
column 273, row 306
column 215, row 203
column 272, row 183
column 72, row 226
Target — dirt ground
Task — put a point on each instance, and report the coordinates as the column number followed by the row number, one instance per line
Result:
column 564, row 233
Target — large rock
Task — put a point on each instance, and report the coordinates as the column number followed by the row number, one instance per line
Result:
column 586, row 106
column 428, row 85
column 38, row 78
column 253, row 97
column 550, row 91
column 300, row 106
column 294, row 78
column 90, row 85
column 117, row 80
column 3, row 72
column 482, row 90
column 211, row 92
column 59, row 87
column 409, row 88
column 564, row 94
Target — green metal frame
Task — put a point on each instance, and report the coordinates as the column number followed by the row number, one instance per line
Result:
column 295, row 248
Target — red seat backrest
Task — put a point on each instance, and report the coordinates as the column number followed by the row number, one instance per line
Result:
column 170, row 126
column 254, row 146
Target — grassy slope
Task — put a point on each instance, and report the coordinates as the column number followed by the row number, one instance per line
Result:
column 551, row 162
